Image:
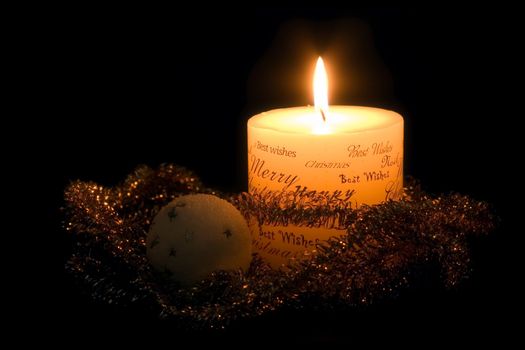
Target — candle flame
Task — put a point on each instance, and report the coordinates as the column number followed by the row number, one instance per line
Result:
column 321, row 87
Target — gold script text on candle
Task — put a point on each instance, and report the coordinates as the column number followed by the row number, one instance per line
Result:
column 363, row 153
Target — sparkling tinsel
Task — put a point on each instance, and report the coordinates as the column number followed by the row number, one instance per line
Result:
column 384, row 242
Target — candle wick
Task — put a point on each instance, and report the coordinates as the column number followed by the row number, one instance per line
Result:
column 323, row 115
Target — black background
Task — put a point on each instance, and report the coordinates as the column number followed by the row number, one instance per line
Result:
column 133, row 86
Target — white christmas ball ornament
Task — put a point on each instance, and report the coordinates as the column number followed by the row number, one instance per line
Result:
column 197, row 234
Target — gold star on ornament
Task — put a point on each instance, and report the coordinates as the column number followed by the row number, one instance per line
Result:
column 188, row 236
column 172, row 214
column 154, row 242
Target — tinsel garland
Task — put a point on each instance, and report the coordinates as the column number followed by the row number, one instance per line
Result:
column 383, row 244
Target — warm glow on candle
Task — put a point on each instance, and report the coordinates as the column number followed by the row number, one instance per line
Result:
column 320, row 87
column 349, row 155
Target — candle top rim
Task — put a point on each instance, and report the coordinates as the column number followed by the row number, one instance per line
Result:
column 340, row 119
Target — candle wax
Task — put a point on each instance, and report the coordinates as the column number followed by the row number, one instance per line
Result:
column 355, row 154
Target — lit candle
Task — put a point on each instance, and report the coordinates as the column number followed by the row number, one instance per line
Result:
column 350, row 153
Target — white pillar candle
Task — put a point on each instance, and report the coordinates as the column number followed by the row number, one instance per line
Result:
column 347, row 152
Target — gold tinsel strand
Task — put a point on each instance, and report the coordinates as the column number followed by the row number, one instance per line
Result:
column 383, row 245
